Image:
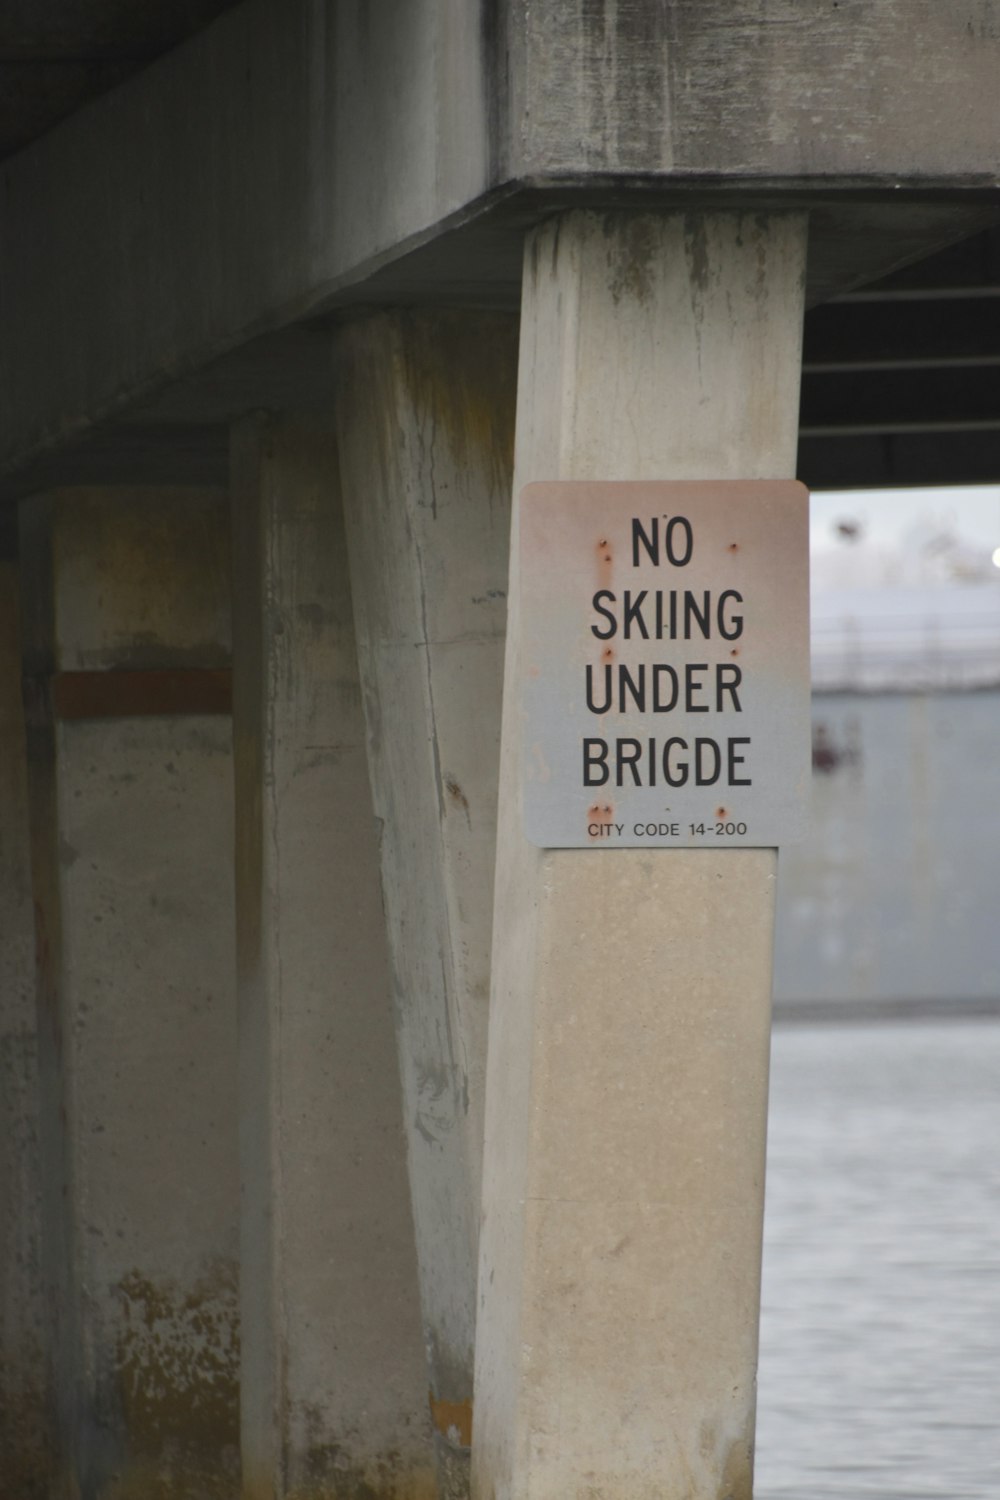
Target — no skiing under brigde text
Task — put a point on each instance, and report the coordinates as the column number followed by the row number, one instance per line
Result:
column 659, row 687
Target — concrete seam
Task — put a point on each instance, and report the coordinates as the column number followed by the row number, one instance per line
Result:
column 270, row 564
column 448, row 974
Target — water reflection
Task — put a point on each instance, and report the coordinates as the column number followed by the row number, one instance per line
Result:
column 880, row 1334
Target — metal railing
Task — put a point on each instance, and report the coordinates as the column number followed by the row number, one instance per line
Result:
column 906, row 652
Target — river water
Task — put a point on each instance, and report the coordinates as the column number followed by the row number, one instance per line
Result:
column 880, row 1327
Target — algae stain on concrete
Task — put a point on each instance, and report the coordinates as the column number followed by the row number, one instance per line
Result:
column 387, row 1478
column 176, row 1367
column 325, row 1458
column 26, row 1463
column 634, row 254
column 474, row 416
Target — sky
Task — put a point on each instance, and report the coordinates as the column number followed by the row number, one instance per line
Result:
column 904, row 587
column 921, row 538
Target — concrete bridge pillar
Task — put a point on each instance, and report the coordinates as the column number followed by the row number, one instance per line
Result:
column 126, row 649
column 425, row 426
column 26, row 1439
column 629, row 1029
column 334, row 1399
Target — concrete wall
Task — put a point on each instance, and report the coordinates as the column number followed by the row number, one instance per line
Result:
column 25, row 1435
column 132, row 869
column 893, row 896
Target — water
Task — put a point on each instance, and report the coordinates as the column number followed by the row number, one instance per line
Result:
column 880, row 1330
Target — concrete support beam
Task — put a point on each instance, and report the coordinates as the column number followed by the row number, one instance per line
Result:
column 227, row 189
column 334, row 1390
column 725, row 88
column 302, row 155
column 629, row 1028
column 25, row 1432
column 425, row 418
column 131, row 814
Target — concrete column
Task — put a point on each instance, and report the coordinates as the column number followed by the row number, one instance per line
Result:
column 25, row 1432
column 425, row 417
column 125, row 613
column 334, row 1393
column 626, row 1097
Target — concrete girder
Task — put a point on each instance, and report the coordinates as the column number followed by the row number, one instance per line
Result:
column 298, row 159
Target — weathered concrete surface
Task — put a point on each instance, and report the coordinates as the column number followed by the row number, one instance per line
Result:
column 25, row 1409
column 629, row 1027
column 132, row 875
column 278, row 152
column 334, row 1392
column 301, row 156
column 426, row 418
column 795, row 89
column 57, row 56
column 142, row 580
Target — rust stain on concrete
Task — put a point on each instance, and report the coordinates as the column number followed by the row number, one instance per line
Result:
column 453, row 1420
column 121, row 694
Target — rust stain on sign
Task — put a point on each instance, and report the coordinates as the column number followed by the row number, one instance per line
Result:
column 599, row 816
column 638, row 599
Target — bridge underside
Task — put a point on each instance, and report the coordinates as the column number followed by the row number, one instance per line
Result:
column 901, row 378
column 290, row 312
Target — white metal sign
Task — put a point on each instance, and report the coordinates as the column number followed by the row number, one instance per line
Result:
column 665, row 667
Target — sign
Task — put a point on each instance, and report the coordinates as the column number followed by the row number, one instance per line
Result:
column 665, row 666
